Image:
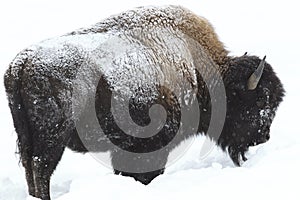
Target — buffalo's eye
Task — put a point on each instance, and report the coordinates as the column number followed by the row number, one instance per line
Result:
column 260, row 103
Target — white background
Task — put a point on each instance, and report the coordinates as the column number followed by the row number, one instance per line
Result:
column 259, row 27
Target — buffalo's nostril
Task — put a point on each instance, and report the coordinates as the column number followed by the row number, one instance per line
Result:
column 267, row 137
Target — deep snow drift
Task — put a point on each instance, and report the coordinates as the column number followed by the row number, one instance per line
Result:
column 272, row 170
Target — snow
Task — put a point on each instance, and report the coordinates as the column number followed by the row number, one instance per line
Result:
column 258, row 27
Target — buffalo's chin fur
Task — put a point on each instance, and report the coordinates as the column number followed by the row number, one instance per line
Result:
column 40, row 89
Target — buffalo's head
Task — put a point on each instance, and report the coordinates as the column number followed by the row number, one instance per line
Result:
column 253, row 94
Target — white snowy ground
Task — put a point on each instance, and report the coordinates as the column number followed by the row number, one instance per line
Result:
column 259, row 27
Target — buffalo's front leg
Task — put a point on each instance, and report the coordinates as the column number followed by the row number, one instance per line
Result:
column 237, row 154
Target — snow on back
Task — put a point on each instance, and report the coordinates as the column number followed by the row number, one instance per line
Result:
column 88, row 42
column 129, row 60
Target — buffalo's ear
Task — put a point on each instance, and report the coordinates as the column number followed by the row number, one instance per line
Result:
column 255, row 77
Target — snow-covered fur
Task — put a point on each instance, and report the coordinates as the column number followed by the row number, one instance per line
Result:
column 152, row 55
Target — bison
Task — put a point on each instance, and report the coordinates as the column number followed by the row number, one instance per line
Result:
column 148, row 56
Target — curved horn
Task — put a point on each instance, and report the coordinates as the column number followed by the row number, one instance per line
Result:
column 255, row 77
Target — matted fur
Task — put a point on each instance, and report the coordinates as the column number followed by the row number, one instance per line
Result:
column 174, row 17
column 39, row 86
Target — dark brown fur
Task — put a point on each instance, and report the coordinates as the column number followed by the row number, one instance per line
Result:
column 40, row 92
